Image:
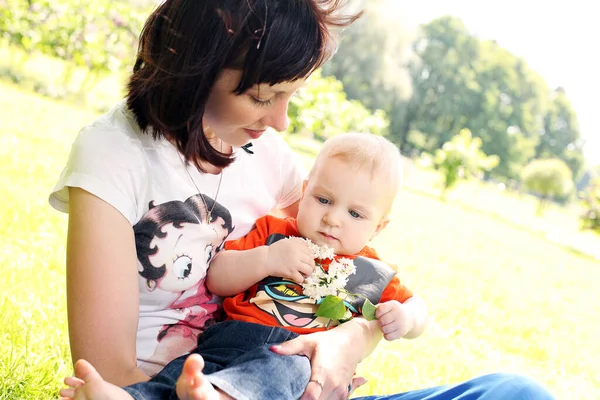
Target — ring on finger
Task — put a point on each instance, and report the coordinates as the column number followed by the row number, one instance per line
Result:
column 317, row 382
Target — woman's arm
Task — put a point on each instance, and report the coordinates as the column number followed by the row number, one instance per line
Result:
column 102, row 288
column 334, row 355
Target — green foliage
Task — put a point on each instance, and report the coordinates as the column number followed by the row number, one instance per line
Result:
column 461, row 158
column 590, row 218
column 321, row 108
column 368, row 310
column 549, row 179
column 372, row 58
column 561, row 136
column 332, row 307
column 101, row 35
column 458, row 81
column 373, row 62
column 464, row 82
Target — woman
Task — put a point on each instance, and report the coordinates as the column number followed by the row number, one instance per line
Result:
column 155, row 186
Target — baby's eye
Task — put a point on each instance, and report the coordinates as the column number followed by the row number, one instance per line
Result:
column 322, row 200
column 354, row 214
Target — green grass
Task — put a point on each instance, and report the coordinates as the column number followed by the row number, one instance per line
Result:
column 47, row 75
column 34, row 142
column 502, row 297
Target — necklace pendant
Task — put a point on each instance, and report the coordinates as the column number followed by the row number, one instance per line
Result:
column 208, row 217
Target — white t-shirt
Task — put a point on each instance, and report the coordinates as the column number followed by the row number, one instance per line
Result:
column 145, row 180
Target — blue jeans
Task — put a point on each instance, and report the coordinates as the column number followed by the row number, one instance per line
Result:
column 237, row 361
column 487, row 387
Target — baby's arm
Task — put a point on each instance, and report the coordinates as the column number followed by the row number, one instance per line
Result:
column 234, row 271
column 402, row 320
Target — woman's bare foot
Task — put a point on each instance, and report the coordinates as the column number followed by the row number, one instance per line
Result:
column 87, row 384
column 192, row 384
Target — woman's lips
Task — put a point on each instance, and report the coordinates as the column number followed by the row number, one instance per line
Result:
column 254, row 134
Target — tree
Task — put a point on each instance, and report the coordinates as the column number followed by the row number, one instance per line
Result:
column 548, row 179
column 372, row 61
column 560, row 135
column 463, row 82
column 443, row 82
column 458, row 81
column 461, row 158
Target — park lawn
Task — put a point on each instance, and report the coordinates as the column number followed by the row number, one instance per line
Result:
column 501, row 298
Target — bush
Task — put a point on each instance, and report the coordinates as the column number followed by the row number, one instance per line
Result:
column 321, row 108
column 590, row 219
column 101, row 35
column 460, row 158
column 549, row 179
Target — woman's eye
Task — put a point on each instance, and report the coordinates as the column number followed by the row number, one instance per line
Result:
column 182, row 267
column 261, row 103
column 354, row 214
column 322, row 200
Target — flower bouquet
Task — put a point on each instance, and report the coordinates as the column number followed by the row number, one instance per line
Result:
column 326, row 285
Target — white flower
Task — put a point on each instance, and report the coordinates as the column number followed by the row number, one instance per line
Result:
column 320, row 252
column 323, row 283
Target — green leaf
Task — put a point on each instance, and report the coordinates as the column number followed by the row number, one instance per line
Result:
column 368, row 310
column 347, row 317
column 331, row 307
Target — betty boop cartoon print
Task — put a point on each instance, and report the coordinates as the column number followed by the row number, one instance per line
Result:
column 174, row 246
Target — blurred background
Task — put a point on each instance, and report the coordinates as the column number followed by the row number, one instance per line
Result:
column 493, row 105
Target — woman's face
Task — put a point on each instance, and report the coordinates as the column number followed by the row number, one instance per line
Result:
column 238, row 119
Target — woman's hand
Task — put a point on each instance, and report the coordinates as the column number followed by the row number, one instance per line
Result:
column 334, row 355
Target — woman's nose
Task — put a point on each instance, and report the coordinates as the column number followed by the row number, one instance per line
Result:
column 277, row 117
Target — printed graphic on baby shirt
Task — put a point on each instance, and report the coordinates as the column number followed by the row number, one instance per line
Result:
column 285, row 302
column 175, row 242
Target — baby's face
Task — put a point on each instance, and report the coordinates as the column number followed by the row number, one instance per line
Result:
column 342, row 206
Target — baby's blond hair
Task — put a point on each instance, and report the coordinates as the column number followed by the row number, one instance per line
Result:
column 365, row 150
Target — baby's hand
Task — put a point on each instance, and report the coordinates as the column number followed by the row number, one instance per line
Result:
column 290, row 258
column 395, row 319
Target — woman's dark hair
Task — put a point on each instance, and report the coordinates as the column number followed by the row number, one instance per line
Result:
column 185, row 44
